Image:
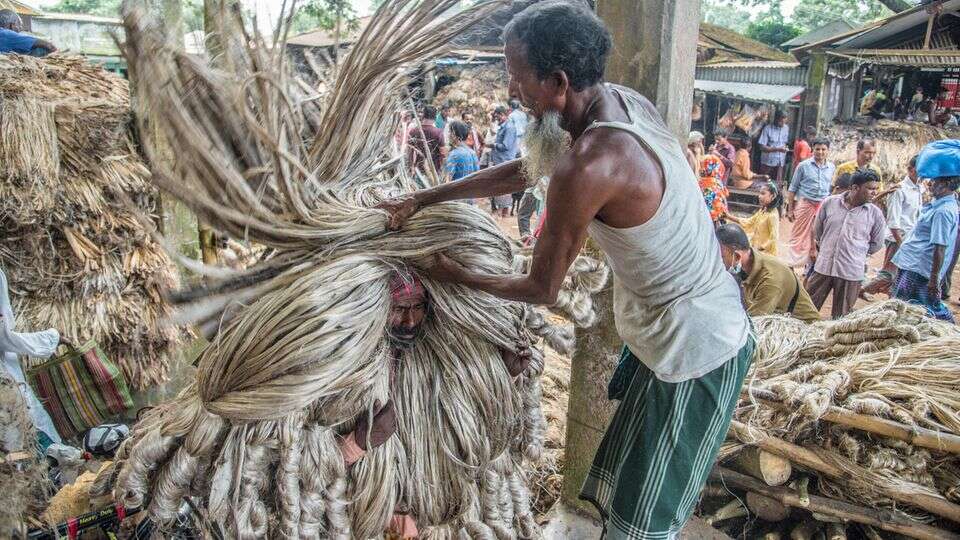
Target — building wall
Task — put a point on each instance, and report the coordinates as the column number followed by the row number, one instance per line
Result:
column 80, row 37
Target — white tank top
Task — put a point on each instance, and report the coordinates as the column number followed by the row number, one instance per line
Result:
column 676, row 307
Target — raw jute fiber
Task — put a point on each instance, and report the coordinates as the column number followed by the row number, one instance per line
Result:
column 71, row 189
column 299, row 346
column 887, row 360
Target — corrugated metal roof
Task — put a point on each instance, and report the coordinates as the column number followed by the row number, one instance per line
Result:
column 778, row 73
column 901, row 57
column 895, row 25
column 769, row 64
column 828, row 30
column 875, row 31
column 19, row 7
column 766, row 93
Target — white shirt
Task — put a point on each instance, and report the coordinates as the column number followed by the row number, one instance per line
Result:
column 903, row 207
column 35, row 344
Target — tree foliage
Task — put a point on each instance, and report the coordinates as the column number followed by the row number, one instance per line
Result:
column 771, row 32
column 725, row 14
column 325, row 15
column 101, row 8
column 191, row 10
column 812, row 14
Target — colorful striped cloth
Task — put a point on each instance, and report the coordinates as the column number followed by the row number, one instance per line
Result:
column 81, row 389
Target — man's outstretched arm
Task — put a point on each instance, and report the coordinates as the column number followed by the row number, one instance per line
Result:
column 498, row 180
column 570, row 208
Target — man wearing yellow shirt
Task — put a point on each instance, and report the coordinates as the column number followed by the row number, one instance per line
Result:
column 866, row 151
column 769, row 286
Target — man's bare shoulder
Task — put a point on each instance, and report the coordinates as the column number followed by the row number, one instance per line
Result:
column 609, row 154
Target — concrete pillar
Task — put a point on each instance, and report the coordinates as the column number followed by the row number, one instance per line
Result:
column 654, row 52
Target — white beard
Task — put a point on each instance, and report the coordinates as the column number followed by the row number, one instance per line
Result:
column 545, row 143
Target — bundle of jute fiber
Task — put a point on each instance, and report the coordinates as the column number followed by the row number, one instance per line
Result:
column 868, row 403
column 77, row 255
column 299, row 344
column 585, row 277
column 310, row 356
column 476, row 91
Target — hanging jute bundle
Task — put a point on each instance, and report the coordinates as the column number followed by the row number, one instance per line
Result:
column 299, row 346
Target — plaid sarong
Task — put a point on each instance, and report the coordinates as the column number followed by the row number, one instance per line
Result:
column 661, row 444
column 912, row 287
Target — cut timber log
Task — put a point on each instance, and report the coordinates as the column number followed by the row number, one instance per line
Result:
column 881, row 519
column 766, row 508
column 915, row 435
column 933, row 504
column 762, row 465
column 732, row 509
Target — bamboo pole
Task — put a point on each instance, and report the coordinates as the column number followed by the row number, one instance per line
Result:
column 915, row 435
column 934, row 504
column 881, row 519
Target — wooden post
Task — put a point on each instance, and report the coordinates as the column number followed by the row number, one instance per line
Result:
column 214, row 45
column 814, row 99
column 655, row 53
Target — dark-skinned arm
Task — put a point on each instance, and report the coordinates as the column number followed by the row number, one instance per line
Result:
column 498, row 180
column 564, row 234
column 933, row 284
column 942, row 228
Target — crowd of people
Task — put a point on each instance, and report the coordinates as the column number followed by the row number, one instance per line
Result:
column 918, row 108
column 446, row 145
column 840, row 215
column 840, row 212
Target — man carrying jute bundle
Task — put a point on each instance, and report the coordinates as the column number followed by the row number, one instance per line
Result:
column 620, row 176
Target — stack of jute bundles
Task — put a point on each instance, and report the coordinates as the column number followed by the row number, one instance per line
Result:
column 300, row 347
column 477, row 91
column 855, row 421
column 72, row 195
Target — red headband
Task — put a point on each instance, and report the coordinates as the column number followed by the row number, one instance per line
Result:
column 406, row 285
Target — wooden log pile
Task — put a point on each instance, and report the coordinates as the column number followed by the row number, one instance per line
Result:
column 845, row 427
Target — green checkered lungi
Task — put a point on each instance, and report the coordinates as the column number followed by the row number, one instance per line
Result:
column 661, row 444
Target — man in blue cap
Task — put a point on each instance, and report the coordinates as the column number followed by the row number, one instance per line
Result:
column 924, row 258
